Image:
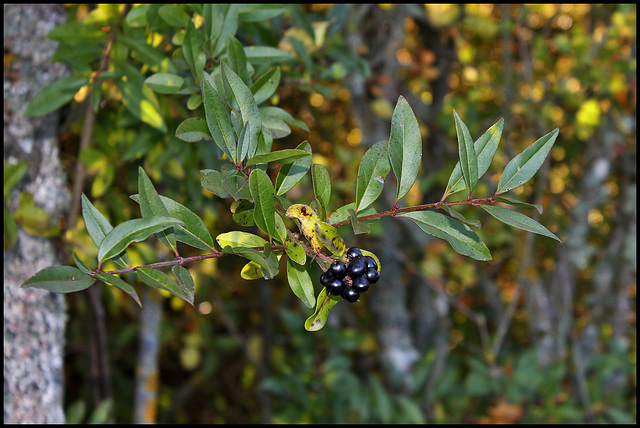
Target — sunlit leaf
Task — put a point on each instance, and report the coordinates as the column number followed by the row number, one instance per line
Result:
column 240, row 239
column 330, row 237
column 300, row 283
column 295, row 251
column 324, row 303
column 308, row 219
column 268, row 263
column 285, row 156
column 291, row 174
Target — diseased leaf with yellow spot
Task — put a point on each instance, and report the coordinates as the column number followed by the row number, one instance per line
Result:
column 330, row 237
column 295, row 251
column 251, row 271
column 308, row 219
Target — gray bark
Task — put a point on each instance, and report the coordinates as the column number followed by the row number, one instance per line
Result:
column 34, row 320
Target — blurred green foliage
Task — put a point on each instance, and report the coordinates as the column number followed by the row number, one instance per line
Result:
column 572, row 67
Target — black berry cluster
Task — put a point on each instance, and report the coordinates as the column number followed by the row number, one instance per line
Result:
column 351, row 279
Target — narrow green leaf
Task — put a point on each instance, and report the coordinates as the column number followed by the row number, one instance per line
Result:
column 405, row 147
column 212, row 181
column 331, row 239
column 459, row 235
column 342, row 213
column 372, row 171
column 191, row 49
column 266, row 85
column 193, row 129
column 72, row 33
column 263, row 196
column 98, row 227
column 174, row 15
column 144, row 53
column 296, row 253
column 268, row 264
column 237, row 59
column 218, row 119
column 259, row 12
column 324, row 303
column 224, row 25
column 81, row 265
column 151, row 205
column 517, row 203
column 321, row 187
column 266, row 55
column 236, row 184
column 164, row 83
column 524, row 166
column 60, row 279
column 240, row 239
column 130, row 231
column 458, row 216
column 300, row 283
column 236, row 90
column 13, row 173
column 485, row 147
column 291, row 174
column 359, row 227
column 519, row 220
column 156, row 279
column 185, row 281
column 244, row 142
column 467, row 153
column 194, row 232
column 119, row 283
column 54, row 95
column 282, row 114
column 284, row 156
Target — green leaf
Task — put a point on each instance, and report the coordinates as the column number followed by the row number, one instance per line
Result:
column 192, row 51
column 72, row 33
column 193, row 129
column 342, row 213
column 83, row 267
column 236, row 184
column 194, row 232
column 405, row 147
column 331, row 239
column 359, row 227
column 259, row 12
column 517, row 203
column 291, row 174
column 54, row 95
column 221, row 21
column 266, row 55
column 284, row 156
column 243, row 213
column 300, row 283
column 323, row 305
column 236, row 90
column 165, row 83
column 268, row 264
column 60, row 279
column 467, row 153
column 212, row 181
column 372, row 171
column 321, row 187
column 263, row 196
column 174, row 15
column 151, row 205
column 130, row 231
column 119, row 283
column 144, row 53
column 295, row 251
column 13, row 173
column 156, row 279
column 458, row 216
column 266, row 85
column 98, row 227
column 526, row 164
column 185, row 281
column 519, row 220
column 240, row 239
column 459, row 235
column 237, row 59
column 139, row 99
column 485, row 147
column 218, row 119
column 283, row 115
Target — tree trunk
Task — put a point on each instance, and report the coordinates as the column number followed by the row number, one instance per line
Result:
column 34, row 320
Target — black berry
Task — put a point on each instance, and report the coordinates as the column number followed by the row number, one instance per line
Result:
column 371, row 263
column 338, row 269
column 372, row 275
column 353, row 252
column 361, row 284
column 356, row 267
column 335, row 287
column 325, row 278
column 350, row 294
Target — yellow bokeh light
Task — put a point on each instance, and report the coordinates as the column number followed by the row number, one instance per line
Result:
column 354, row 137
column 595, row 217
column 470, row 74
column 316, row 100
column 403, row 56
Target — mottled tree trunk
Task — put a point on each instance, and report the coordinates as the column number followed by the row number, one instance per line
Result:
column 34, row 320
